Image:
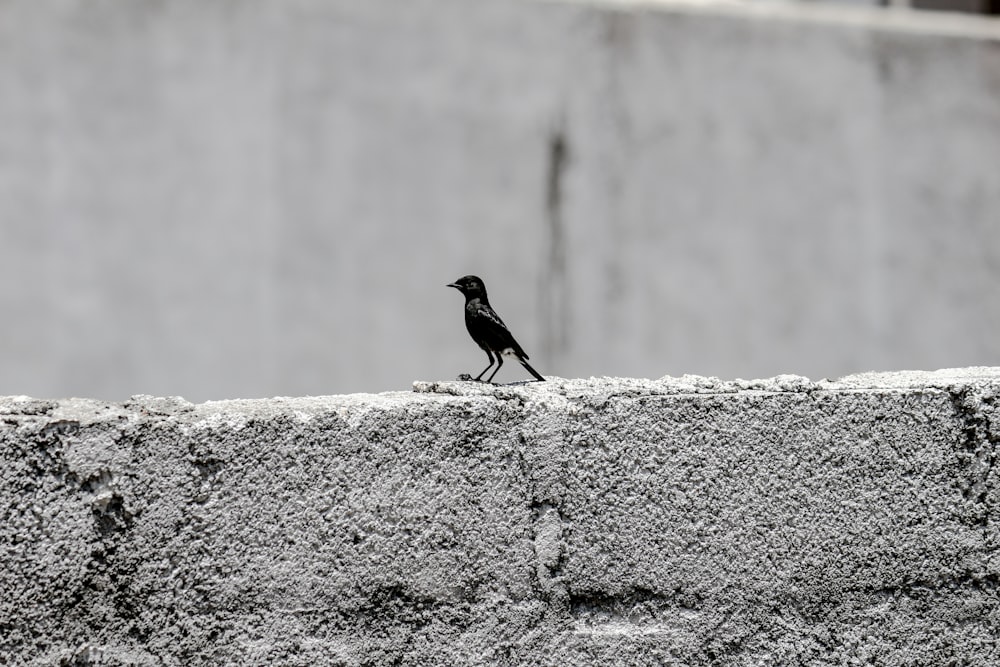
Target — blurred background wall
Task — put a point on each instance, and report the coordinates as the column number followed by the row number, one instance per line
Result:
column 241, row 198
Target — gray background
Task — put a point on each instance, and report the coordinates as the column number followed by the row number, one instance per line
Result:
column 222, row 199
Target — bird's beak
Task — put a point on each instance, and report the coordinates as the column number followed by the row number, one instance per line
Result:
column 455, row 285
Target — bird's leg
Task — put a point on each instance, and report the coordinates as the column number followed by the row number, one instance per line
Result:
column 499, row 364
column 490, row 355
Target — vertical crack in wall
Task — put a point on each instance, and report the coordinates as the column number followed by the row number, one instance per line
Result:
column 544, row 464
column 975, row 409
column 978, row 448
column 550, row 551
column 556, row 298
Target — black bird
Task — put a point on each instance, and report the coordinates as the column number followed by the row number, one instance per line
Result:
column 487, row 329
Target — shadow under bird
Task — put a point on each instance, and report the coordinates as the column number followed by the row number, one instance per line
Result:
column 487, row 329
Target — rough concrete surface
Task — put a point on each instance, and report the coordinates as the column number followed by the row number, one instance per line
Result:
column 681, row 521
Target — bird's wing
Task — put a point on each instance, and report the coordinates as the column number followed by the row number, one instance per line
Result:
column 488, row 313
column 499, row 337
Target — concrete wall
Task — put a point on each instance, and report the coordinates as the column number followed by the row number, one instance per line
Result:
column 237, row 198
column 613, row 522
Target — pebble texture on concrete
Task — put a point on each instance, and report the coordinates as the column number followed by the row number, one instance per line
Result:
column 682, row 521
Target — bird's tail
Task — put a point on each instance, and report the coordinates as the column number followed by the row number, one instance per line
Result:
column 531, row 370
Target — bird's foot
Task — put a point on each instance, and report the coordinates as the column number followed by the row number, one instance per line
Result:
column 465, row 377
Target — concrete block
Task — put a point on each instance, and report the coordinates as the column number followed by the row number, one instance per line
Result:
column 685, row 521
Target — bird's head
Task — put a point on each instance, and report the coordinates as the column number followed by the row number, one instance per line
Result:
column 470, row 286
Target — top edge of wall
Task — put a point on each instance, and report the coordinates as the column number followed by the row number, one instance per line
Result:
column 557, row 389
column 890, row 19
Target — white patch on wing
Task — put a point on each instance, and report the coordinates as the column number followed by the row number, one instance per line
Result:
column 488, row 312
